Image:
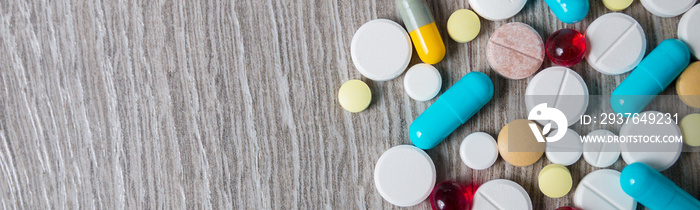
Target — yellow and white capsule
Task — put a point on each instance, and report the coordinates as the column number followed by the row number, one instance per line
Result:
column 423, row 30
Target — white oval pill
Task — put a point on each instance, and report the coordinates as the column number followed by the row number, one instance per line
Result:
column 668, row 8
column 496, row 10
column 422, row 82
column 601, row 190
column 501, row 194
column 599, row 153
column 381, row 49
column 567, row 150
column 479, row 150
column 689, row 30
column 616, row 43
column 658, row 155
column 561, row 88
column 404, row 175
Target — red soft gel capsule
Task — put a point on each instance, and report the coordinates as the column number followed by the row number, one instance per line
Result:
column 452, row 195
column 565, row 47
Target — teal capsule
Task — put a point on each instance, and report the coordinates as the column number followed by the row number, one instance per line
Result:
column 654, row 190
column 452, row 109
column 569, row 11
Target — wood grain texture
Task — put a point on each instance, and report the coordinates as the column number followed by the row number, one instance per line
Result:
column 232, row 104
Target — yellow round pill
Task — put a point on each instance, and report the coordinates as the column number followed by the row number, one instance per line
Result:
column 689, row 128
column 354, row 96
column 688, row 87
column 617, row 5
column 555, row 180
column 463, row 25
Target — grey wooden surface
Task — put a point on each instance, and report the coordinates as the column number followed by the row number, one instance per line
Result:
column 232, row 104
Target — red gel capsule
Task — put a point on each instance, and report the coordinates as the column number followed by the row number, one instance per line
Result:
column 452, row 195
column 565, row 47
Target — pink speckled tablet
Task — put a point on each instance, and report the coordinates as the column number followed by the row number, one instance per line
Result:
column 515, row 50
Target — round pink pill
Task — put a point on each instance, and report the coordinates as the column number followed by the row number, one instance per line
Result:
column 515, row 50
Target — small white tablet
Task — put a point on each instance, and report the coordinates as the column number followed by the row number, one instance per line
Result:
column 501, row 194
column 567, row 150
column 404, row 175
column 496, row 10
column 667, row 8
column 381, row 49
column 601, row 189
column 616, row 43
column 422, row 82
column 652, row 143
column 689, row 30
column 601, row 154
column 561, row 88
column 479, row 151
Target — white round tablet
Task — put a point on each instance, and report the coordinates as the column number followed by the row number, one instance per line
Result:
column 496, row 10
column 668, row 8
column 404, row 175
column 645, row 141
column 381, row 49
column 501, row 194
column 601, row 190
column 616, row 43
column 422, row 82
column 598, row 153
column 689, row 30
column 479, row 151
column 567, row 150
column 561, row 88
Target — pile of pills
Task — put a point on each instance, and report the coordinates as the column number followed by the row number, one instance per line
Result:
column 613, row 44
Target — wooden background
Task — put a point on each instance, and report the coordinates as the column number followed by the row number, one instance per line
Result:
column 196, row 104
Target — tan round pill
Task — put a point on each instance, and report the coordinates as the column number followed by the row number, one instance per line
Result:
column 518, row 145
column 688, row 86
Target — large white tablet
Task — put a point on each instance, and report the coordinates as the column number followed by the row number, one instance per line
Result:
column 616, row 43
column 404, row 175
column 496, row 10
column 567, row 150
column 561, row 88
column 478, row 151
column 501, row 194
column 667, row 8
column 381, row 49
column 601, row 154
column 601, row 189
column 422, row 82
column 658, row 155
column 689, row 30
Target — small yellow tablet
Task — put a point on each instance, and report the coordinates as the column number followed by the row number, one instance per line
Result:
column 463, row 25
column 617, row 5
column 354, row 96
column 555, row 180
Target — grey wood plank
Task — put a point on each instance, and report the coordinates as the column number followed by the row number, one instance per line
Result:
column 232, row 104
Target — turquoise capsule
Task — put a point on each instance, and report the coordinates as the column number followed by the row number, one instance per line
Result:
column 654, row 190
column 651, row 76
column 569, row 11
column 452, row 109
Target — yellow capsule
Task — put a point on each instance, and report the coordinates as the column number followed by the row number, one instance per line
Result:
column 423, row 30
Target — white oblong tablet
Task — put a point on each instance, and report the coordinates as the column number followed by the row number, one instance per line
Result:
column 381, row 49
column 567, row 150
column 689, row 30
column 599, row 153
column 501, row 194
column 561, row 88
column 479, row 151
column 616, row 43
column 601, row 190
column 404, row 175
column 667, row 8
column 658, row 155
column 496, row 10
column 422, row 82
